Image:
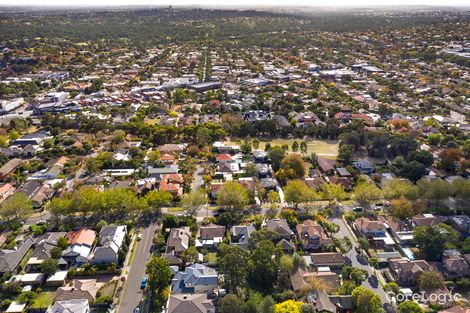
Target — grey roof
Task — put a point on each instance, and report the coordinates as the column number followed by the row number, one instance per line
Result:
column 190, row 303
column 194, row 275
column 10, row 259
column 69, row 306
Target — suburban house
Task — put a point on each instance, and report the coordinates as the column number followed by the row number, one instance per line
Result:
column 373, row 230
column 111, row 241
column 364, row 166
column 427, row 220
column 455, row 265
column 402, row 230
column 240, row 235
column 329, row 259
column 42, row 251
column 70, row 306
column 196, row 278
column 80, row 242
column 280, row 227
column 9, row 167
column 210, row 236
column 173, row 183
column 312, row 236
column 406, row 272
column 461, row 223
column 178, row 240
column 301, row 279
column 194, row 303
column 78, row 289
column 6, row 191
column 11, row 258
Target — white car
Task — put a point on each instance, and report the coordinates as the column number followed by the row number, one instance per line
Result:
column 139, row 237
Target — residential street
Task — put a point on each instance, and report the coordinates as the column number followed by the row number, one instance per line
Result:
column 132, row 294
column 358, row 261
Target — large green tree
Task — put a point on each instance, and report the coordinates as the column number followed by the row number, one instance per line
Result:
column 366, row 301
column 297, row 191
column 233, row 263
column 233, row 197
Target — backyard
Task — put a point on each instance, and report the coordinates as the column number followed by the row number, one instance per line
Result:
column 327, row 149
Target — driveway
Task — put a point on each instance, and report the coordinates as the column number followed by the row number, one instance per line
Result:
column 132, row 294
column 357, row 261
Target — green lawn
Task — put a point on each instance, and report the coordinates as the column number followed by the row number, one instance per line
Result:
column 210, row 258
column 327, row 149
column 44, row 299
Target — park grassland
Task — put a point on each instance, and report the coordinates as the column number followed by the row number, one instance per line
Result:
column 327, row 149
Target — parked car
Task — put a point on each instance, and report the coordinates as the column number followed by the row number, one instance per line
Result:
column 357, row 209
column 143, row 283
column 139, row 237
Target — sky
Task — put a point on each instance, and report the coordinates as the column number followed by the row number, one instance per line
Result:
column 236, row 2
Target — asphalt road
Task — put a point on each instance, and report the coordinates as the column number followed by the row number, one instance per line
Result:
column 357, row 261
column 132, row 294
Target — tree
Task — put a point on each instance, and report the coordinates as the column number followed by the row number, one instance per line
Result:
column 409, row 306
column 396, row 188
column 365, row 300
column 232, row 264
column 193, row 202
column 263, row 271
column 266, row 305
column 435, row 190
column 297, row 192
column 157, row 199
column 153, row 156
column 230, row 303
column 430, row 280
column 346, row 287
column 431, row 241
column 392, row 287
column 190, row 255
column 466, row 246
column 333, row 192
column 295, row 146
column 276, row 154
column 262, row 235
column 357, row 275
column 289, row 306
column 344, row 244
column 413, row 171
column 363, row 243
column 159, row 274
column 422, row 156
column 365, row 193
column 295, row 163
column 303, row 147
column 449, row 158
column 462, row 189
column 346, row 154
column 118, row 136
column 234, row 197
column 49, row 266
column 402, row 208
column 16, row 207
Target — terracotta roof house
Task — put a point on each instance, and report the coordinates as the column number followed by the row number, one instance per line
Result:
column 281, row 227
column 312, row 236
column 6, row 191
column 168, row 159
column 455, row 265
column 223, row 158
column 80, row 242
column 172, row 184
column 407, row 272
column 210, row 235
column 190, row 303
column 326, row 165
column 369, row 228
column 178, row 240
column 427, row 220
column 172, row 148
column 80, row 289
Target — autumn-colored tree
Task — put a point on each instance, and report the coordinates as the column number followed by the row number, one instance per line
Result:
column 401, row 208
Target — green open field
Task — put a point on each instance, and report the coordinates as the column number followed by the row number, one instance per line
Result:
column 327, row 149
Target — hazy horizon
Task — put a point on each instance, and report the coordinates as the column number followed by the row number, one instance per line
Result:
column 235, row 3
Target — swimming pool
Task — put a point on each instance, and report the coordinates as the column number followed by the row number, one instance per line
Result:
column 409, row 254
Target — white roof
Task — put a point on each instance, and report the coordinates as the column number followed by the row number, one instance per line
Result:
column 16, row 307
column 32, row 277
column 58, row 276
